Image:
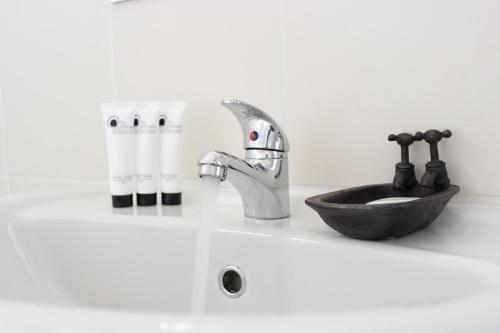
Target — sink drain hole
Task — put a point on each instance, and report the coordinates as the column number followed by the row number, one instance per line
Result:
column 232, row 281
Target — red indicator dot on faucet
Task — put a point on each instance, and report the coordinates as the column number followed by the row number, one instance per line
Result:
column 254, row 135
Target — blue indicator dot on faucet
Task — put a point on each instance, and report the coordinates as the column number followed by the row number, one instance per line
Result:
column 254, row 135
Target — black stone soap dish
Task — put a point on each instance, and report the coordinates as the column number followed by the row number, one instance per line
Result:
column 353, row 213
column 347, row 212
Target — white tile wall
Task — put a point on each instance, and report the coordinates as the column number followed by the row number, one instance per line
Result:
column 339, row 75
column 201, row 52
column 359, row 70
column 55, row 70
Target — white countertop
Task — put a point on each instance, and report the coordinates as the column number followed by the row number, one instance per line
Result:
column 468, row 227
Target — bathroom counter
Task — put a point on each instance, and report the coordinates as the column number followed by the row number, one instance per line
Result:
column 469, row 225
column 469, row 228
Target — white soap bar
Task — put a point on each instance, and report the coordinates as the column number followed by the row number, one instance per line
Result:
column 391, row 200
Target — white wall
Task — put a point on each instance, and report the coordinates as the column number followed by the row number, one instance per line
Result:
column 339, row 75
column 55, row 69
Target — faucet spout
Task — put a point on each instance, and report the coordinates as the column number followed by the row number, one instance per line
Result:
column 212, row 164
column 261, row 179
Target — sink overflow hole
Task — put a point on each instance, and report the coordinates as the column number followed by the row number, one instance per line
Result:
column 232, row 281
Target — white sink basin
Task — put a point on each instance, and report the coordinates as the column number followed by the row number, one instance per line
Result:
column 70, row 251
column 148, row 265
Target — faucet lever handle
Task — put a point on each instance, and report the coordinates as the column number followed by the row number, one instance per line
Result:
column 260, row 131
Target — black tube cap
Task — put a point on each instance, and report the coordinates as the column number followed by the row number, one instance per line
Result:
column 146, row 199
column 170, row 199
column 121, row 201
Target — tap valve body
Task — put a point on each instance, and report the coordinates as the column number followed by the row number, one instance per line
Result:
column 405, row 171
column 435, row 169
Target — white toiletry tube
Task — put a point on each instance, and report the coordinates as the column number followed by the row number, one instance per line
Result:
column 171, row 124
column 146, row 152
column 119, row 126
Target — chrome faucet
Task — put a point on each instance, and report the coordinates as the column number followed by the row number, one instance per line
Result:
column 262, row 177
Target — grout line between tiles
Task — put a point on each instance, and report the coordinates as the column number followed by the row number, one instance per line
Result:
column 3, row 129
column 281, row 5
column 112, row 51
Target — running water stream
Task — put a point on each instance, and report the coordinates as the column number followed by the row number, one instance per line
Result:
column 209, row 189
